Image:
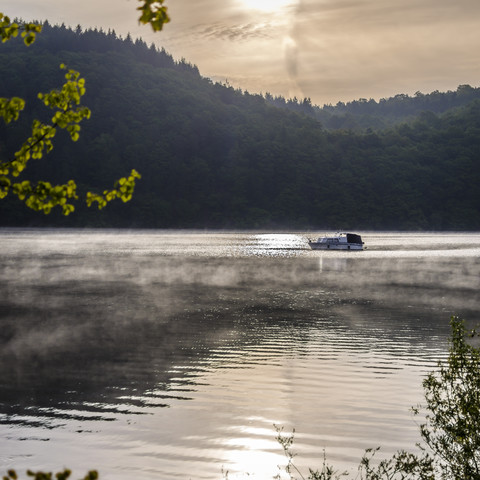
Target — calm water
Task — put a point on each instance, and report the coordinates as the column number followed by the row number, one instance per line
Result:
column 169, row 355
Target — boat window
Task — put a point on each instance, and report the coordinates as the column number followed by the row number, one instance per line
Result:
column 353, row 238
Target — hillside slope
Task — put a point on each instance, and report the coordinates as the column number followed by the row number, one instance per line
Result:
column 215, row 157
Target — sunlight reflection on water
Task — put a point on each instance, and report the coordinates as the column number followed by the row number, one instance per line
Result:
column 274, row 244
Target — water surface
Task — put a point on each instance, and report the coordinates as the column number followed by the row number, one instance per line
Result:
column 172, row 354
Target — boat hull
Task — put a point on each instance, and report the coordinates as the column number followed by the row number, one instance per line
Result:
column 320, row 246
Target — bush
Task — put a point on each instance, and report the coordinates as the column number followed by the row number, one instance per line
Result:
column 451, row 432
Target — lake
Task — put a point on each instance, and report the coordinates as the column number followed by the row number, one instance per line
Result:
column 169, row 354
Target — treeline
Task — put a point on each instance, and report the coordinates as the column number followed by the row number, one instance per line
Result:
column 362, row 114
column 212, row 156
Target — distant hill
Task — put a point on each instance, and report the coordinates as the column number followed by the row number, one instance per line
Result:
column 362, row 115
column 212, row 156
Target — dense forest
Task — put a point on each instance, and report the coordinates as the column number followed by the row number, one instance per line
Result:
column 363, row 115
column 212, row 156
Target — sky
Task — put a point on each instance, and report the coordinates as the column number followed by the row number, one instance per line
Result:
column 325, row 50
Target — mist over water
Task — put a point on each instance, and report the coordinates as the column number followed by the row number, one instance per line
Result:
column 172, row 354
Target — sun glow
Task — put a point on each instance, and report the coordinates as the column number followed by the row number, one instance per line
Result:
column 254, row 452
column 266, row 5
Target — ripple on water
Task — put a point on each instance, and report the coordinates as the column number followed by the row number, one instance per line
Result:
column 161, row 354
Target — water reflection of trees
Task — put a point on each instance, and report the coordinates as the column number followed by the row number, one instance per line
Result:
column 77, row 345
column 81, row 346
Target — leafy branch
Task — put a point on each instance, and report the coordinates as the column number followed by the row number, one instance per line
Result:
column 452, row 393
column 68, row 113
column 9, row 30
column 12, row 475
column 153, row 12
column 123, row 190
column 43, row 196
column 327, row 472
column 451, row 431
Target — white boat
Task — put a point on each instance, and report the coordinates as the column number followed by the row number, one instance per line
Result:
column 339, row 241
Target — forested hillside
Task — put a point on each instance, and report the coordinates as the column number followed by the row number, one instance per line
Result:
column 363, row 115
column 215, row 157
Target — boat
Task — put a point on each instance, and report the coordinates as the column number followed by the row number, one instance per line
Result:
column 339, row 241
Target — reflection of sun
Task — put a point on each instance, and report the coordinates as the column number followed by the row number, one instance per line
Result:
column 266, row 5
column 254, row 453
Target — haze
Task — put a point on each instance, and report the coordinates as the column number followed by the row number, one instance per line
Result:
column 328, row 50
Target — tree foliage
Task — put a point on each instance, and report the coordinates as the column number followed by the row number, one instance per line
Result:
column 68, row 113
column 43, row 196
column 154, row 13
column 9, row 30
column 452, row 394
column 451, row 431
column 213, row 156
column 39, row 475
column 363, row 115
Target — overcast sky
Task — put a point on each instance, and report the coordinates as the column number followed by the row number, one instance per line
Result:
column 328, row 50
